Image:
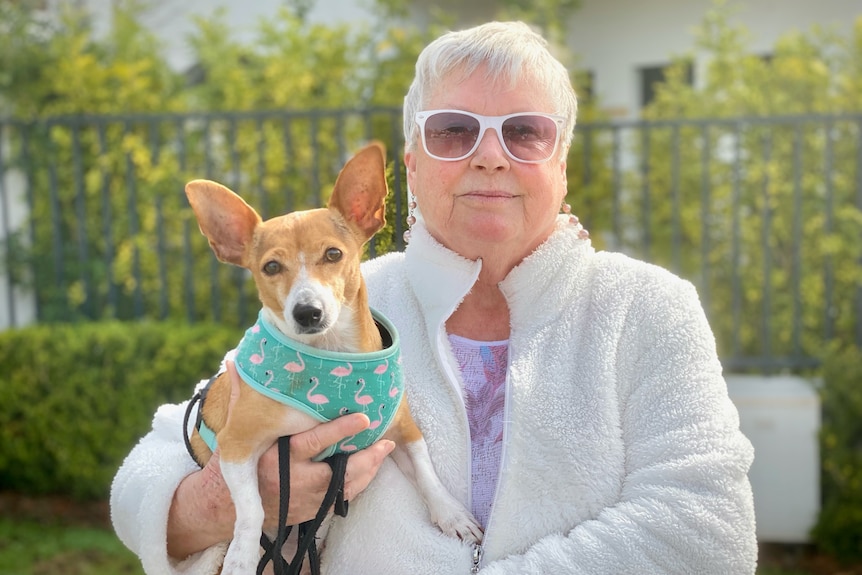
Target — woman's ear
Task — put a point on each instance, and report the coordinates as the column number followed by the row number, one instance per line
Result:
column 410, row 164
column 563, row 176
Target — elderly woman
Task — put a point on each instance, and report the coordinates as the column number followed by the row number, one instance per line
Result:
column 572, row 398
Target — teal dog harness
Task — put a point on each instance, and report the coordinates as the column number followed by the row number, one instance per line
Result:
column 323, row 384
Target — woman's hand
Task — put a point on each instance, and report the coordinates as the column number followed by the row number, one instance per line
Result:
column 202, row 512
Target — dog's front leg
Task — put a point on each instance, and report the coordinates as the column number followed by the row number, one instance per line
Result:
column 244, row 551
column 446, row 512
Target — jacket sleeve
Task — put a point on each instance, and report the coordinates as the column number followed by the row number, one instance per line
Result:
column 142, row 492
column 685, row 503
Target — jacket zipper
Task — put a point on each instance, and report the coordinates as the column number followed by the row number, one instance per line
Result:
column 477, row 558
column 453, row 381
column 478, row 549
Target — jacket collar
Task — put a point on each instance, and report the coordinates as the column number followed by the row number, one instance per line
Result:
column 541, row 285
column 441, row 278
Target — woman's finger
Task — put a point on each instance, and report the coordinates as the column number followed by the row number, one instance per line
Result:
column 309, row 443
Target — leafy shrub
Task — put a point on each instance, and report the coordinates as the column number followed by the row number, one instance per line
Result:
column 74, row 399
column 839, row 528
column 744, row 192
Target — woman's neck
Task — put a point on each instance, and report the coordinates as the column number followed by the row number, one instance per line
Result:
column 483, row 315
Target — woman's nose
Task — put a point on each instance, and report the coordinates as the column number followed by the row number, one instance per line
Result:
column 490, row 153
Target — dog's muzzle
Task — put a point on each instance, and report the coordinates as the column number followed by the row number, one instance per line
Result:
column 308, row 318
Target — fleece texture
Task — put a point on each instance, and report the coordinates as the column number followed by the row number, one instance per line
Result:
column 621, row 450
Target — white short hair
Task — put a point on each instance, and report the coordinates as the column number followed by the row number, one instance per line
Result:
column 507, row 50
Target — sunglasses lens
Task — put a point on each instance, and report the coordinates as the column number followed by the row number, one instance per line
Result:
column 530, row 138
column 450, row 135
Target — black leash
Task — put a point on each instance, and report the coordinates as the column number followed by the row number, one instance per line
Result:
column 199, row 397
column 306, row 531
column 272, row 549
column 195, row 398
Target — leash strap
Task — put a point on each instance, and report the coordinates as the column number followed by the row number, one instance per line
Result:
column 306, row 531
column 195, row 399
column 199, row 397
column 272, row 549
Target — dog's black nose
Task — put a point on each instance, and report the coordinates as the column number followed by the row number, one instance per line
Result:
column 307, row 315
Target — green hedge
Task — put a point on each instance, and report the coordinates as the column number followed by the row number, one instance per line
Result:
column 839, row 526
column 74, row 399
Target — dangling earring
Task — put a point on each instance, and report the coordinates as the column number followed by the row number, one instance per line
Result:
column 573, row 219
column 411, row 219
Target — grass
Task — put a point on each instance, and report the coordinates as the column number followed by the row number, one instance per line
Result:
column 34, row 548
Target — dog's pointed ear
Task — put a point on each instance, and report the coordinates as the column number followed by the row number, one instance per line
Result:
column 360, row 190
column 224, row 218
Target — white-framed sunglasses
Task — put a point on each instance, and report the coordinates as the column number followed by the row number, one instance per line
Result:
column 528, row 137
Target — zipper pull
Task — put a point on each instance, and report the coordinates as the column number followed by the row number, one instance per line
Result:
column 477, row 558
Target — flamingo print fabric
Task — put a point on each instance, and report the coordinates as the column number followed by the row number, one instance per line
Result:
column 325, row 384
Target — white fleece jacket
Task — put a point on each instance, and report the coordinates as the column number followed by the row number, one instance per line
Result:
column 622, row 451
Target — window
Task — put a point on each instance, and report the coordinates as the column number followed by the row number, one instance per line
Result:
column 584, row 83
column 652, row 76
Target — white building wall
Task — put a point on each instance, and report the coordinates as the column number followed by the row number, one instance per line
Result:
column 174, row 20
column 612, row 38
column 615, row 38
column 17, row 304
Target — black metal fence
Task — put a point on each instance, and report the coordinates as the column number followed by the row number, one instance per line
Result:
column 762, row 214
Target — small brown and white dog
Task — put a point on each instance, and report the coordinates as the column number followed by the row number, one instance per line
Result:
column 306, row 267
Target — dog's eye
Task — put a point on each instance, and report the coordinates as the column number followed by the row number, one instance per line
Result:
column 271, row 268
column 332, row 254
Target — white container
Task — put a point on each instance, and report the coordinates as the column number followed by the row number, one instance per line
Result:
column 780, row 415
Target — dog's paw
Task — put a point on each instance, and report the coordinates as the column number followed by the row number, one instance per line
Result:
column 455, row 521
